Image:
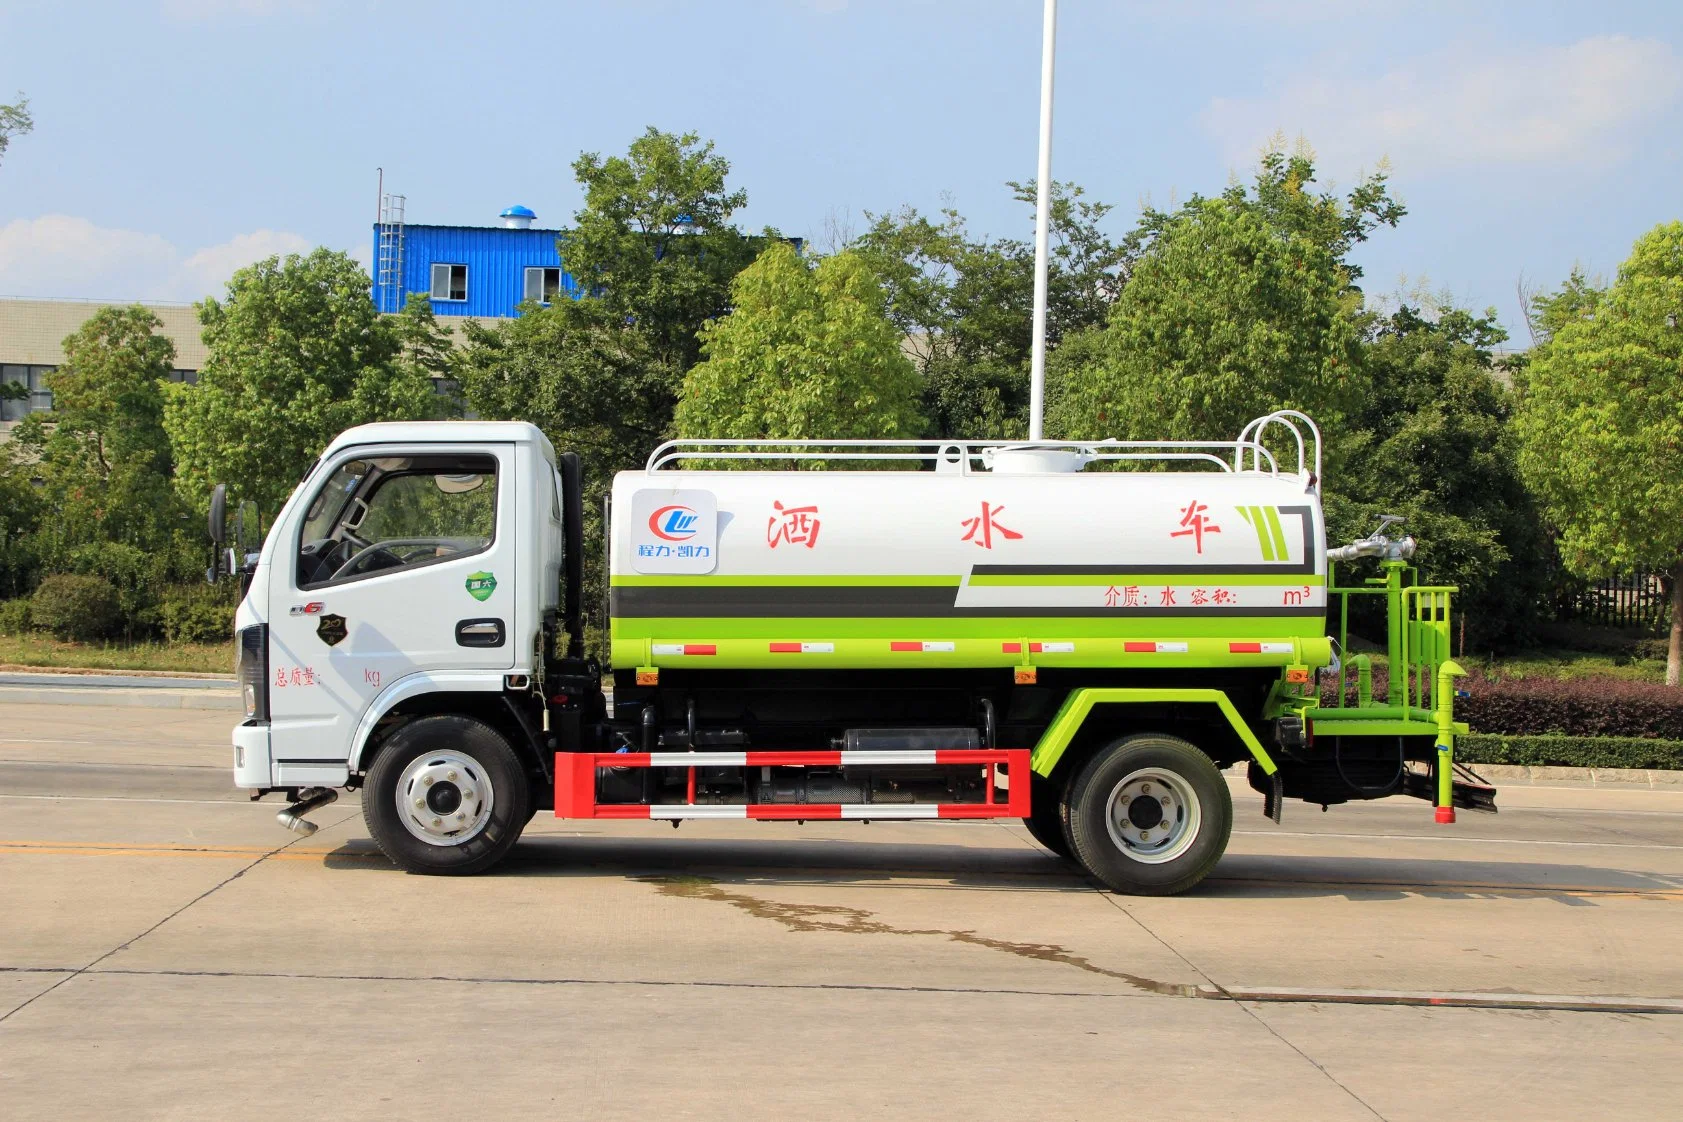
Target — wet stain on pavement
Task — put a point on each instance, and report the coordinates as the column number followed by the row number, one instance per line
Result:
column 856, row 921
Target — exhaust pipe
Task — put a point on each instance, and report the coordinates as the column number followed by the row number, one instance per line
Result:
column 310, row 798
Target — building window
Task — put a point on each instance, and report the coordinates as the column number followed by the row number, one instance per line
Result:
column 31, row 382
column 542, row 285
column 449, row 282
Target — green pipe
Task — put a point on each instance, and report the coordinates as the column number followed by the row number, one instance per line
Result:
column 1395, row 646
column 1447, row 673
column 1364, row 681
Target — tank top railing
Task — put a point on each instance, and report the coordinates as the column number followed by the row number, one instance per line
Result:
column 1247, row 454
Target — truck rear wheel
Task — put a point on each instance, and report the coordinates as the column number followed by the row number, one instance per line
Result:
column 446, row 795
column 1150, row 815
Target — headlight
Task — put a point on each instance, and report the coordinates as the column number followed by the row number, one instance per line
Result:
column 252, row 669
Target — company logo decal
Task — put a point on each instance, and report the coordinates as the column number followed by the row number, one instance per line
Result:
column 673, row 530
column 480, row 585
column 674, row 523
column 332, row 630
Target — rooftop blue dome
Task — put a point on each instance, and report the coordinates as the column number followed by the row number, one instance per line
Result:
column 518, row 212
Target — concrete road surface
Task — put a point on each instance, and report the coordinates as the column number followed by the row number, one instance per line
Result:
column 168, row 951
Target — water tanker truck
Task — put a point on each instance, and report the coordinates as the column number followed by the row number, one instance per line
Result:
column 1079, row 636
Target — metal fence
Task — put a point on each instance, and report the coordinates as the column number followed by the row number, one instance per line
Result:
column 1630, row 600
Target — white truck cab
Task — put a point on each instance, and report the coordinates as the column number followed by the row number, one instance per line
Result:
column 415, row 559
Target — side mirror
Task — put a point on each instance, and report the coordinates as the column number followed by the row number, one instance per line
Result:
column 219, row 513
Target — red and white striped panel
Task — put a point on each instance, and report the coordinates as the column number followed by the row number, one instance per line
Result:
column 686, row 648
column 1155, row 648
column 1038, row 648
column 575, row 784
column 924, row 647
column 803, row 648
column 1261, row 648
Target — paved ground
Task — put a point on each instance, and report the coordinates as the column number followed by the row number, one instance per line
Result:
column 167, row 951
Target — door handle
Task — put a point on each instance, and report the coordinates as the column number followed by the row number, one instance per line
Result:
column 479, row 633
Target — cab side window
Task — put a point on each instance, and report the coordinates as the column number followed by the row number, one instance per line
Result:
column 398, row 513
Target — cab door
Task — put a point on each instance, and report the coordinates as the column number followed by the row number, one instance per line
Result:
column 403, row 563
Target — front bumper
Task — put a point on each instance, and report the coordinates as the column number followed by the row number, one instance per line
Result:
column 252, row 765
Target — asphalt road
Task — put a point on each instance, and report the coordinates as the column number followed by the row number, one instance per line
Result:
column 168, row 951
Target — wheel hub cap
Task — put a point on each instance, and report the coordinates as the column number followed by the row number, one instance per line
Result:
column 1153, row 815
column 445, row 798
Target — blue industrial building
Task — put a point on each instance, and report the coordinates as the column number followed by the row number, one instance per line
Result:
column 467, row 270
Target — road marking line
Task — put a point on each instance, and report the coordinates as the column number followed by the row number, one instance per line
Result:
column 129, row 799
column 1448, row 838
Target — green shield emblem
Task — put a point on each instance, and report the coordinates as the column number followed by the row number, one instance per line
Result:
column 481, row 585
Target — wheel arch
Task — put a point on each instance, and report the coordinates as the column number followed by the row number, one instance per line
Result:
column 1092, row 717
column 481, row 697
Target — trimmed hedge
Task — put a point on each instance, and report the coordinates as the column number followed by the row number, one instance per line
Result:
column 1571, row 751
column 1577, row 707
column 1572, row 707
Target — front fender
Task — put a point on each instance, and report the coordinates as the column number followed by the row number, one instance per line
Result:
column 415, row 685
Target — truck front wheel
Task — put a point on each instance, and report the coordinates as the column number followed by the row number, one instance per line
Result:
column 446, row 795
column 1149, row 815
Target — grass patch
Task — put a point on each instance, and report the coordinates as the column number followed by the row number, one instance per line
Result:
column 45, row 651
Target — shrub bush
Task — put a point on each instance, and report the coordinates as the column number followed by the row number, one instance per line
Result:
column 197, row 613
column 75, row 606
column 1571, row 751
column 14, row 617
column 1572, row 707
column 1575, row 707
column 137, row 576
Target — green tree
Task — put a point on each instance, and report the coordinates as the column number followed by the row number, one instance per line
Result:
column 297, row 354
column 655, row 241
column 1224, row 318
column 1431, row 439
column 966, row 304
column 14, row 121
column 100, row 464
column 1601, row 421
column 103, row 460
column 806, row 352
column 578, row 371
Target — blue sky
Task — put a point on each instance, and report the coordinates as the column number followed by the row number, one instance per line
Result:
column 178, row 139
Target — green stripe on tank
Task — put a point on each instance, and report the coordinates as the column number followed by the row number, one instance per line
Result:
column 1253, row 516
column 1279, row 535
column 1142, row 580
column 781, row 580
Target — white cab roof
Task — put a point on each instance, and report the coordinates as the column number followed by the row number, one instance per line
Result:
column 426, row 432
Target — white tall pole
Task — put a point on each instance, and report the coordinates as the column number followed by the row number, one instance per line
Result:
column 1042, row 222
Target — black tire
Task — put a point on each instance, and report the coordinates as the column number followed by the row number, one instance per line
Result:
column 475, row 756
column 1146, row 773
column 1045, row 821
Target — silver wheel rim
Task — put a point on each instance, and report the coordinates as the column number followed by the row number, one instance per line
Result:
column 445, row 798
column 1147, row 836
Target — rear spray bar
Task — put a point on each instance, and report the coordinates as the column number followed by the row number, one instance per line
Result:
column 575, row 784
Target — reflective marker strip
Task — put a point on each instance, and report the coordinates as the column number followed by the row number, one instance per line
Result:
column 925, row 648
column 696, row 759
column 686, row 649
column 1155, row 648
column 1259, row 648
column 1039, row 648
column 890, row 810
column 698, row 811
column 803, row 648
column 856, row 758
